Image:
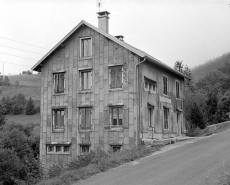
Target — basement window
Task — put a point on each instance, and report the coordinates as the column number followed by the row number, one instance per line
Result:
column 84, row 148
column 86, row 47
column 116, row 148
column 60, row 149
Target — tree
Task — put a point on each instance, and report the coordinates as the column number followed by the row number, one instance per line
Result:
column 179, row 66
column 18, row 104
column 211, row 108
column 196, row 117
column 188, row 82
column 223, row 108
column 30, row 108
column 6, row 81
column 2, row 117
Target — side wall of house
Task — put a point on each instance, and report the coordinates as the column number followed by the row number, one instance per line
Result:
column 157, row 100
column 67, row 58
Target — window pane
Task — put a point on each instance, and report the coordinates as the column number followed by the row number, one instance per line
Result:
column 86, row 47
column 154, row 87
column 85, row 149
column 85, row 77
column 119, row 77
column 89, row 80
column 82, row 116
column 50, row 148
column 58, row 148
column 150, row 87
column 61, row 83
column 113, row 77
column 66, row 148
column 120, row 115
column 88, row 118
column 146, row 85
column 116, row 148
column 166, row 118
column 114, row 116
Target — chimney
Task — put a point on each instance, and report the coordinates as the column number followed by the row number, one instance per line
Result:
column 103, row 21
column 120, row 37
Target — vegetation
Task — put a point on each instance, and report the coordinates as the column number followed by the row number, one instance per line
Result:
column 216, row 63
column 19, row 155
column 92, row 163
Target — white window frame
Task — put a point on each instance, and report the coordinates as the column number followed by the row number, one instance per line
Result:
column 122, row 75
column 177, row 82
column 167, row 88
column 91, row 52
column 54, row 82
column 168, row 116
column 81, row 79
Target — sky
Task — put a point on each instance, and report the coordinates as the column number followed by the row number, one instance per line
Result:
column 192, row 31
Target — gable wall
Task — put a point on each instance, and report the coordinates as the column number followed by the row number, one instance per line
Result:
column 105, row 52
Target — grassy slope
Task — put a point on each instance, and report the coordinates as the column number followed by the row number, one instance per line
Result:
column 29, row 85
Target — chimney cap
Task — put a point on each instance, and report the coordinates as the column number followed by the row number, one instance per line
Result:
column 120, row 37
column 103, row 13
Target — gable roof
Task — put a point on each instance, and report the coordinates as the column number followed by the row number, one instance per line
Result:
column 122, row 43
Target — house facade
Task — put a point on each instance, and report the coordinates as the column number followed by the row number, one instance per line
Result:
column 98, row 91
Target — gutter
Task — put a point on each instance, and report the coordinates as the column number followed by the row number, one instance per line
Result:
column 137, row 74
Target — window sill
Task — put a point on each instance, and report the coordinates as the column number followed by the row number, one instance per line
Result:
column 84, row 92
column 58, row 130
column 59, row 94
column 117, row 89
column 58, row 153
column 85, row 130
column 112, row 128
column 85, row 58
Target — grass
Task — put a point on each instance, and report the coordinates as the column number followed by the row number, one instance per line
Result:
column 29, row 85
column 90, row 164
column 225, row 178
column 25, row 119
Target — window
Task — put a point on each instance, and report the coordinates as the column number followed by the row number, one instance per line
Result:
column 85, row 118
column 66, row 149
column 59, row 82
column 50, row 148
column 58, row 118
column 165, row 85
column 86, row 80
column 166, row 118
column 116, row 116
column 86, row 47
column 84, row 148
column 150, row 116
column 177, row 117
column 116, row 148
column 58, row 149
column 177, row 89
column 150, row 85
column 116, row 77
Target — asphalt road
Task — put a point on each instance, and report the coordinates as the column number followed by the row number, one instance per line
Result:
column 191, row 162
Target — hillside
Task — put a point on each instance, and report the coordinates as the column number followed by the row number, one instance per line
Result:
column 29, row 85
column 210, row 65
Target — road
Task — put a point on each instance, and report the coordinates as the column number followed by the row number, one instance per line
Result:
column 191, row 162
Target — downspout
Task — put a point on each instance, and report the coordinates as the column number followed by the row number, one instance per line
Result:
column 137, row 74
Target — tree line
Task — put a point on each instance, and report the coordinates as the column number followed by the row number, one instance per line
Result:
column 207, row 101
column 18, row 104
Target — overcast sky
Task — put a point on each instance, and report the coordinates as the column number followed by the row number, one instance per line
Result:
column 190, row 30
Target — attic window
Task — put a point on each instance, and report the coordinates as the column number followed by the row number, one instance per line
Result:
column 86, row 47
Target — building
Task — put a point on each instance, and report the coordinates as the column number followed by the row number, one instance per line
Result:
column 98, row 91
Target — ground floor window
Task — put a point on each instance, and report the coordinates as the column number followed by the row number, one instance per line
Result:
column 116, row 148
column 166, row 118
column 85, row 148
column 58, row 149
column 150, row 117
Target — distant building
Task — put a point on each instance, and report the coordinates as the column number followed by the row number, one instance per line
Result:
column 98, row 90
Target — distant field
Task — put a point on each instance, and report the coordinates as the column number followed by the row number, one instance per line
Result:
column 26, row 80
column 24, row 119
column 29, row 85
